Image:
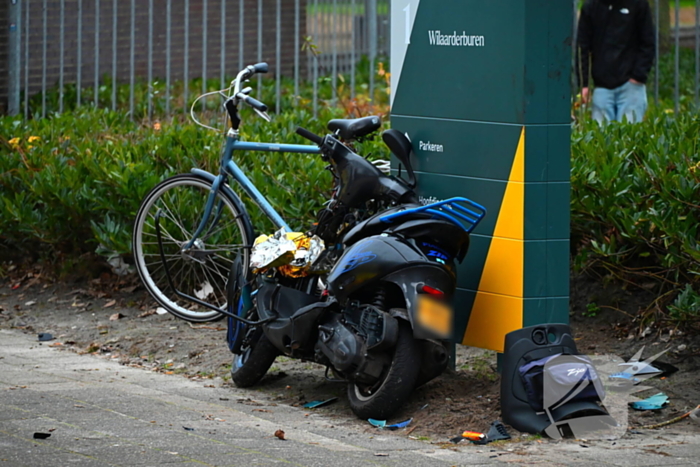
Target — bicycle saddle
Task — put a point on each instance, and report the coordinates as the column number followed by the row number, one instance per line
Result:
column 349, row 129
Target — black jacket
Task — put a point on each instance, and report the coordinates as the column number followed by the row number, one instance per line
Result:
column 618, row 38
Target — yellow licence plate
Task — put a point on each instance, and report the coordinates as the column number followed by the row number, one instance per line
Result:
column 434, row 315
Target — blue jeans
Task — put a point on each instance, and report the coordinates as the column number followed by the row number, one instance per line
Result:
column 627, row 101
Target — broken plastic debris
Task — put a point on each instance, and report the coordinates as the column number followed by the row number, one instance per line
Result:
column 188, row 428
column 470, row 435
column 314, row 404
column 640, row 368
column 395, row 426
column 161, row 311
column 41, row 435
column 624, row 377
column 655, row 402
column 44, row 336
column 496, row 432
column 473, row 435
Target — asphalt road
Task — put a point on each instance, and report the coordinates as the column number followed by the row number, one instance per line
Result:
column 99, row 413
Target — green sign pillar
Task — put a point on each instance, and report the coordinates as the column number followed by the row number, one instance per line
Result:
column 482, row 89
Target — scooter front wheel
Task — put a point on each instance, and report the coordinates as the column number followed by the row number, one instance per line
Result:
column 388, row 395
column 252, row 363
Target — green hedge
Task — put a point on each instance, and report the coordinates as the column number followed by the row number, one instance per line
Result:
column 635, row 201
column 72, row 183
column 635, row 192
column 634, row 187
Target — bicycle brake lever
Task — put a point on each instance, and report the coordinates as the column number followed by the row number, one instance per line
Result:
column 263, row 115
column 246, row 90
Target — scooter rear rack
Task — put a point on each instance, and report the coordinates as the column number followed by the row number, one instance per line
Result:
column 460, row 211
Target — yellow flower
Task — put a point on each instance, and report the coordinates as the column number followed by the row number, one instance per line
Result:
column 33, row 139
column 14, row 142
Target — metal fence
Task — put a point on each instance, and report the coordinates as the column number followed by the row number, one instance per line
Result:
column 92, row 44
column 96, row 43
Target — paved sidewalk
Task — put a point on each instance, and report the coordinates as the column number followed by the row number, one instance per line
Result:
column 101, row 413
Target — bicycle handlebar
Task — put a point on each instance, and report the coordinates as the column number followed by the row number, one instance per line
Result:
column 250, row 70
column 313, row 137
column 260, row 67
column 251, row 101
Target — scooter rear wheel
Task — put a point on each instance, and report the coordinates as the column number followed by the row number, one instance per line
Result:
column 381, row 400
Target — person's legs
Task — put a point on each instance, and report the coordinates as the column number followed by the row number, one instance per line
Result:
column 603, row 104
column 631, row 102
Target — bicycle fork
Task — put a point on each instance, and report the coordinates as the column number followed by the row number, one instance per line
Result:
column 207, row 213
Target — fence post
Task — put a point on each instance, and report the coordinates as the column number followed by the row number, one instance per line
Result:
column 574, row 47
column 697, row 54
column 657, row 21
column 61, row 48
column 278, row 55
column 14, row 51
column 44, row 45
column 372, row 21
column 115, row 17
column 676, row 68
column 26, row 60
column 96, row 86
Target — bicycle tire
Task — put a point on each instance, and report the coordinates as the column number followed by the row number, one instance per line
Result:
column 203, row 270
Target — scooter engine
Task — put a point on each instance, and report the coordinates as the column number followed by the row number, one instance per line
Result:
column 354, row 343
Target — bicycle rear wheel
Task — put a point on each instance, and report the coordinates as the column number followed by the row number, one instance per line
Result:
column 201, row 270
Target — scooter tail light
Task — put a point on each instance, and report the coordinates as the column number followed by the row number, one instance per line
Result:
column 432, row 291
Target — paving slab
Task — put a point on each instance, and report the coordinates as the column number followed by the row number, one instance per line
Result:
column 102, row 413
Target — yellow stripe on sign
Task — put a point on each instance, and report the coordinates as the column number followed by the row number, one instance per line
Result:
column 498, row 306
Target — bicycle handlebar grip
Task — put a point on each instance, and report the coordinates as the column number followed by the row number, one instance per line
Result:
column 304, row 133
column 251, row 101
column 261, row 67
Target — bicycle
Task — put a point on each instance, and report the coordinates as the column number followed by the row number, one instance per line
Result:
column 201, row 243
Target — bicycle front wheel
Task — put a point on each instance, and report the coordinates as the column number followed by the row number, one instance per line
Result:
column 198, row 266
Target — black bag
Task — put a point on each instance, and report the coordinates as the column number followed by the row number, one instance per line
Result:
column 557, row 379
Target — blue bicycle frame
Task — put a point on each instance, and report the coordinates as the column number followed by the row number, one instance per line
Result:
column 230, row 168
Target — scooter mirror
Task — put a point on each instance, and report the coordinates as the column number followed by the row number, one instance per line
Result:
column 400, row 146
